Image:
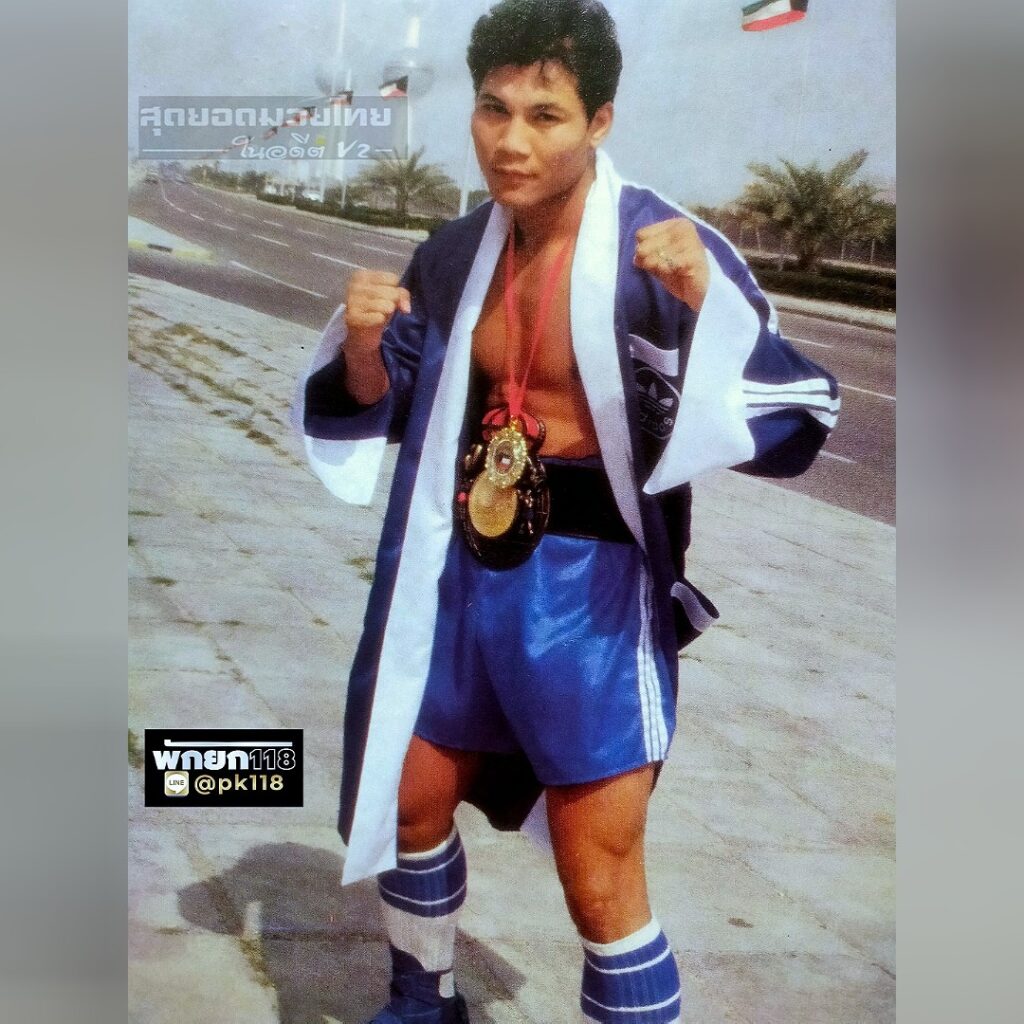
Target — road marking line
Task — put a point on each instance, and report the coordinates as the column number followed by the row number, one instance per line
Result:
column 249, row 216
column 315, row 234
column 226, row 227
column 865, row 391
column 334, row 259
column 274, row 223
column 807, row 341
column 272, row 241
column 838, row 458
column 378, row 248
column 197, row 217
column 277, row 280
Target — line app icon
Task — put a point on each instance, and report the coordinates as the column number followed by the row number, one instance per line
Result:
column 175, row 783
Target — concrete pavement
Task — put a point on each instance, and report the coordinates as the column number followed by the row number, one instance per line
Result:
column 142, row 235
column 772, row 836
column 879, row 319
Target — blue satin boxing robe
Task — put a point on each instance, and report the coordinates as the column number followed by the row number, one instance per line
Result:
column 672, row 395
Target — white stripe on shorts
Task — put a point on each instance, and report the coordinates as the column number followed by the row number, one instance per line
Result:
column 655, row 729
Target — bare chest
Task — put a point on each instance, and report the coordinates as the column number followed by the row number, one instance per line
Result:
column 495, row 344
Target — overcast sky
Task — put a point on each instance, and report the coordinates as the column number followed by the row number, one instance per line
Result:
column 699, row 99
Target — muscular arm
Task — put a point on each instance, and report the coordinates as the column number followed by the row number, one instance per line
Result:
column 372, row 299
column 366, row 380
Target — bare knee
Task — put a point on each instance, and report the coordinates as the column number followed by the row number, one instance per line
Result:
column 434, row 780
column 424, row 821
column 607, row 899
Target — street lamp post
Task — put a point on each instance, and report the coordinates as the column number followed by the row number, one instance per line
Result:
column 467, row 169
column 407, row 63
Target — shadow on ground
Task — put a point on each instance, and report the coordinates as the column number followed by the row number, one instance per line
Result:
column 321, row 947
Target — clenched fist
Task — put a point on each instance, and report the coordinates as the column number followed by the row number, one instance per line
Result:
column 371, row 301
column 372, row 298
column 673, row 253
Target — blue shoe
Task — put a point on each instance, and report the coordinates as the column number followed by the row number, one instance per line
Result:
column 403, row 1010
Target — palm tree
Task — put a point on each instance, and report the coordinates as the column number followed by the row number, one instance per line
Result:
column 878, row 226
column 747, row 218
column 810, row 205
column 405, row 181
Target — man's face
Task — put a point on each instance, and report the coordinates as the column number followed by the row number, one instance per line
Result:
column 532, row 136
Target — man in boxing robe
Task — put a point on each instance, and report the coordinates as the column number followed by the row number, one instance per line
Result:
column 558, row 366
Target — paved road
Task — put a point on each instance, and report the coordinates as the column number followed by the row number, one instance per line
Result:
column 295, row 266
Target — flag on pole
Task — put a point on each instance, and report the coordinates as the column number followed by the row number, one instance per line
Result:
column 300, row 117
column 343, row 99
column 765, row 14
column 395, row 89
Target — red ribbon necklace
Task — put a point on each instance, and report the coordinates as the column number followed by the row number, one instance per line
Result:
column 513, row 324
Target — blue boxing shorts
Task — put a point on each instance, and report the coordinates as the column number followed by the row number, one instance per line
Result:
column 555, row 658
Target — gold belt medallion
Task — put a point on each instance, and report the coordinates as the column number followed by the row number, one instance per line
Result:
column 492, row 510
column 502, row 496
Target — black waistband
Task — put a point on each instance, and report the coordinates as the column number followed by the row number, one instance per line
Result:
column 582, row 503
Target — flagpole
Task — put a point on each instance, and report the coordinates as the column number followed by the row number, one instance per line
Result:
column 339, row 52
column 344, row 139
column 412, row 42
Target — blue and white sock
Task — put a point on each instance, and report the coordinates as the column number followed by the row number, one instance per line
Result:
column 631, row 981
column 421, row 899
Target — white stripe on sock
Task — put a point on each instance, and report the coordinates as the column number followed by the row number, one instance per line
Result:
column 427, row 871
column 424, row 903
column 627, row 944
column 426, row 854
column 637, row 967
column 636, row 1009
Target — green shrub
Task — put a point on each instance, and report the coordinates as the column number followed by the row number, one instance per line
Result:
column 876, row 276
column 368, row 215
column 862, row 275
column 827, row 288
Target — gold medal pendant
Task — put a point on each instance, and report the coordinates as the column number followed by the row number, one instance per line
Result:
column 507, row 453
column 492, row 510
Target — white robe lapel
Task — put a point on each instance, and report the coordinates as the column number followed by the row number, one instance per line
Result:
column 595, row 271
column 409, row 634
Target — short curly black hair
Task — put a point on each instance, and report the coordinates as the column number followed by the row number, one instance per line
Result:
column 578, row 33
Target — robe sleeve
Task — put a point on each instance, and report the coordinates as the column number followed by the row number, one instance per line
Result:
column 749, row 400
column 344, row 440
column 790, row 402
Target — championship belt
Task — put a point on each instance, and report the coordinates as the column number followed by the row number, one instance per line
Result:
column 502, row 499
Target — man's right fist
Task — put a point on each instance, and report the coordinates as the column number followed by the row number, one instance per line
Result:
column 371, row 301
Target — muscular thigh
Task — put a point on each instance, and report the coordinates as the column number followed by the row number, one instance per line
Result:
column 435, row 780
column 600, row 819
column 597, row 830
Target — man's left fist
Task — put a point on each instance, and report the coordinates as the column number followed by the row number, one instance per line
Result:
column 673, row 252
